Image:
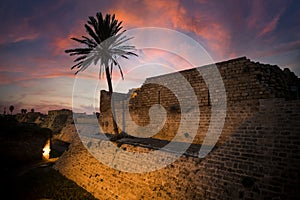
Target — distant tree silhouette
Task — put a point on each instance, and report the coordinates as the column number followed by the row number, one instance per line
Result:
column 11, row 109
column 32, row 110
column 104, row 44
column 23, row 111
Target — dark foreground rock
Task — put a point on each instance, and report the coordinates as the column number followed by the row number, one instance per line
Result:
column 24, row 173
column 40, row 182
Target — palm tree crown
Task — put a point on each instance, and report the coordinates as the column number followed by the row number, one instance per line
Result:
column 104, row 44
column 11, row 109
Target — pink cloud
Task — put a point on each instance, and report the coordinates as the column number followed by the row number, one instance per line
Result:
column 10, row 78
column 27, row 37
column 271, row 26
column 257, row 12
column 62, row 42
column 259, row 20
column 6, row 79
column 23, row 31
column 168, row 14
column 173, row 15
column 217, row 37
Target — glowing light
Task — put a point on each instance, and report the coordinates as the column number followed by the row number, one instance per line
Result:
column 46, row 150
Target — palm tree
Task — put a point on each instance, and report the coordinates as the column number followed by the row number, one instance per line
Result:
column 11, row 109
column 104, row 44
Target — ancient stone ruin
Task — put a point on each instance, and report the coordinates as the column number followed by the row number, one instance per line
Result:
column 257, row 152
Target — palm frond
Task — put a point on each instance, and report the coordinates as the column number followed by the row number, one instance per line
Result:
column 76, row 65
column 90, row 31
column 80, row 58
column 104, row 45
column 77, row 50
column 88, row 42
column 120, row 69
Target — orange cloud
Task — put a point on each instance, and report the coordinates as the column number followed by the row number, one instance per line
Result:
column 61, row 43
column 131, row 19
column 217, row 36
column 173, row 15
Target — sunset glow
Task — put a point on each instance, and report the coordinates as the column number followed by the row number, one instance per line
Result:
column 35, row 72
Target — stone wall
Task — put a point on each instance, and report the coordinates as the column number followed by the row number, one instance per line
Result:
column 257, row 156
column 31, row 117
column 259, row 160
column 56, row 120
column 245, row 83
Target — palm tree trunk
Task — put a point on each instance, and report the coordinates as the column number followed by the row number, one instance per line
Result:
column 110, row 89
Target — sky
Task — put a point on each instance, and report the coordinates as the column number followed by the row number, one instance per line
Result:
column 35, row 72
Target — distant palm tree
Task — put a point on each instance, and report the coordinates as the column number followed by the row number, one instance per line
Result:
column 104, row 44
column 11, row 109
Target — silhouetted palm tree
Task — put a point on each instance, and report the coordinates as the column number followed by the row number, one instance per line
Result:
column 104, row 44
column 11, row 109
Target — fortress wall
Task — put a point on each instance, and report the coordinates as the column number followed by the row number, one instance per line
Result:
column 260, row 160
column 245, row 83
column 56, row 120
